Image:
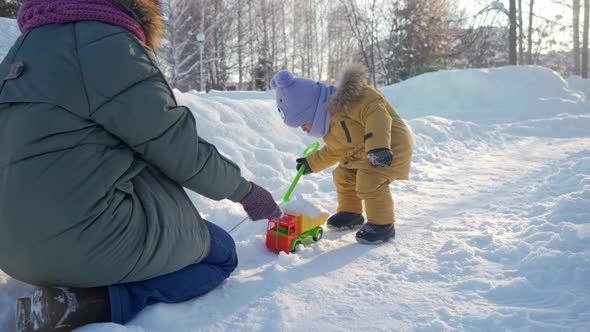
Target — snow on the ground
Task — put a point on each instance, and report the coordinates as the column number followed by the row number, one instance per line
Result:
column 493, row 228
column 580, row 84
column 9, row 34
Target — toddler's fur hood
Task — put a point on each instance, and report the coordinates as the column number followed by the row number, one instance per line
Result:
column 349, row 88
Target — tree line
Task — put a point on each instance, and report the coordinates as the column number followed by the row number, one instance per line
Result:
column 579, row 53
column 247, row 41
column 240, row 44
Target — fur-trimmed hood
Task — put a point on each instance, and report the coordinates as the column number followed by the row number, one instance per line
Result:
column 349, row 88
column 148, row 13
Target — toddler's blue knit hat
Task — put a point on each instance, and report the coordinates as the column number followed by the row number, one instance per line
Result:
column 297, row 97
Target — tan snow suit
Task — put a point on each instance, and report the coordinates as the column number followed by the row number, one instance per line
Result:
column 363, row 120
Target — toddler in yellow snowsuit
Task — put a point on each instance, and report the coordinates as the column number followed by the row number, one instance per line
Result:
column 363, row 133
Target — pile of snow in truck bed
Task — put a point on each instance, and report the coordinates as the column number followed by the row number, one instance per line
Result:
column 303, row 204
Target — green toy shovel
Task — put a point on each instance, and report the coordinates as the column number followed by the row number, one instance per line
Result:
column 311, row 148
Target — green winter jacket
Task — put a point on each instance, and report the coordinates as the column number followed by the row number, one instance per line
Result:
column 94, row 154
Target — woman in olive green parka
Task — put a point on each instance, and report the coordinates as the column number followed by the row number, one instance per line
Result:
column 94, row 155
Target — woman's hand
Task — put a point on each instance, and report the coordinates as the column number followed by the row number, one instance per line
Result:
column 259, row 204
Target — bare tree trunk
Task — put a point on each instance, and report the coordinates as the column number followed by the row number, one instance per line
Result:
column 240, row 42
column 251, row 31
column 220, row 68
column 585, row 39
column 223, row 49
column 309, row 37
column 316, row 42
column 294, row 34
column 512, row 33
column 520, row 34
column 576, row 23
column 284, row 32
column 265, row 51
column 183, row 44
column 272, row 51
column 530, row 35
column 354, row 22
column 203, row 66
column 320, row 39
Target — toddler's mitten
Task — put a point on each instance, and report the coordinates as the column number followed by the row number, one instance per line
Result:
column 380, row 157
column 300, row 163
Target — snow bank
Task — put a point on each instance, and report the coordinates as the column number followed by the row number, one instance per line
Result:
column 10, row 33
column 486, row 96
column 236, row 95
column 580, row 84
column 10, row 290
column 562, row 126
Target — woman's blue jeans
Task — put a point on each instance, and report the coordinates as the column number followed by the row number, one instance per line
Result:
column 194, row 280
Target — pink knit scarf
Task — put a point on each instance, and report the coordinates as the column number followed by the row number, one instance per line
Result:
column 35, row 13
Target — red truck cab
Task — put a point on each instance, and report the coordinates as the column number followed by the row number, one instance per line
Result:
column 281, row 233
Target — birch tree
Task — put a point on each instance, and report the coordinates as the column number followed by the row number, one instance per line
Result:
column 530, row 32
column 512, row 32
column 585, row 39
column 520, row 34
column 180, row 52
column 576, row 26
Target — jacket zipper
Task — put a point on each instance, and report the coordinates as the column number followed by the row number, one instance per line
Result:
column 346, row 132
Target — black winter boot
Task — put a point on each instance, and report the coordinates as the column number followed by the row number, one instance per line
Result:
column 62, row 309
column 345, row 220
column 375, row 234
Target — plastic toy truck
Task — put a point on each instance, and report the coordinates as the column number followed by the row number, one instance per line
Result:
column 285, row 233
